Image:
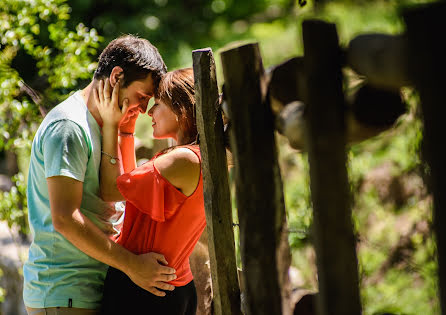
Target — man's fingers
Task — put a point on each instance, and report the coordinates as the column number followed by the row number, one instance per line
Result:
column 166, row 278
column 156, row 292
column 166, row 270
column 160, row 258
column 164, row 286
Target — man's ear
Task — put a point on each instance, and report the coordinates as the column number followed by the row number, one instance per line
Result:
column 116, row 74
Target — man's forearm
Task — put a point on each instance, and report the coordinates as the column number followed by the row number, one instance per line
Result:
column 88, row 238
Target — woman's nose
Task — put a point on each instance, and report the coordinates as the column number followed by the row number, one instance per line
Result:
column 150, row 111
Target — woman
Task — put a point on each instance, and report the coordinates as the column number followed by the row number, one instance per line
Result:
column 164, row 198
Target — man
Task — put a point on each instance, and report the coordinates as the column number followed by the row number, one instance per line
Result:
column 72, row 227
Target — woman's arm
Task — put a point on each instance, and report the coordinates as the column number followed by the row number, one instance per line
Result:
column 127, row 141
column 107, row 103
column 127, row 148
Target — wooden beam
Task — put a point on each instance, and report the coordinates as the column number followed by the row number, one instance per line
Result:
column 371, row 112
column 284, row 83
column 374, row 107
column 427, row 68
column 215, row 186
column 259, row 193
column 326, row 139
column 381, row 58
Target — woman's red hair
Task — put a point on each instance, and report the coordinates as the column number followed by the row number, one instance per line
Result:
column 176, row 89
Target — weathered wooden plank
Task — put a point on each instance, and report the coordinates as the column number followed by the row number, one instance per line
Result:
column 382, row 58
column 216, row 187
column 371, row 112
column 427, row 69
column 284, row 83
column 258, row 183
column 325, row 131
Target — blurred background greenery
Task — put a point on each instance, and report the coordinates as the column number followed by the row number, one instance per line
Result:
column 49, row 48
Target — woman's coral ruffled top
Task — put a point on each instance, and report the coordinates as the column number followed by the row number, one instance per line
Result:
column 160, row 218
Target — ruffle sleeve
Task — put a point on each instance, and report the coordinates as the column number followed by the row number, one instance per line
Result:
column 150, row 192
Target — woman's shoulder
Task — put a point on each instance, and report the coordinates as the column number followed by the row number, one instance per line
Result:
column 181, row 167
column 183, row 155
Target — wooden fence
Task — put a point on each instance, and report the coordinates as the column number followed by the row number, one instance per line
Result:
column 303, row 98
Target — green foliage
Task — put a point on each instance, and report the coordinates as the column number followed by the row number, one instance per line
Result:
column 54, row 60
column 13, row 205
column 297, row 198
column 178, row 26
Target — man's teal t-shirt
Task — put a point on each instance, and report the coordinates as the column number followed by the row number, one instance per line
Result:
column 67, row 143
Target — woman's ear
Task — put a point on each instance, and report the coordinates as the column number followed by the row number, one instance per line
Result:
column 116, row 74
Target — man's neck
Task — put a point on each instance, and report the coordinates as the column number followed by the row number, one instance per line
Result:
column 87, row 95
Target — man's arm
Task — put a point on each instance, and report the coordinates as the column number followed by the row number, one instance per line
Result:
column 146, row 271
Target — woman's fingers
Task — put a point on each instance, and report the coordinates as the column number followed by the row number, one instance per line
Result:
column 101, row 91
column 107, row 88
column 96, row 95
column 125, row 106
column 115, row 94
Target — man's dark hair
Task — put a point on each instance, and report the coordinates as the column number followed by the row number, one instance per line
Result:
column 136, row 56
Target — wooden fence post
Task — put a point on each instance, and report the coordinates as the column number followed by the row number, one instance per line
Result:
column 216, row 187
column 326, row 138
column 259, row 193
column 427, row 68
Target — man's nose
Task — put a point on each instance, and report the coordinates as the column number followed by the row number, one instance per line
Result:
column 143, row 107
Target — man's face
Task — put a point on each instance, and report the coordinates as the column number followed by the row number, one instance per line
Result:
column 138, row 93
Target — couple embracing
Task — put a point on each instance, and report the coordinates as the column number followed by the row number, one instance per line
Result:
column 87, row 257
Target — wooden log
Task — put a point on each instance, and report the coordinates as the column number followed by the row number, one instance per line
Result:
column 216, row 187
column 325, row 131
column 259, row 193
column 371, row 112
column 284, row 83
column 427, row 68
column 381, row 58
column 377, row 107
column 290, row 122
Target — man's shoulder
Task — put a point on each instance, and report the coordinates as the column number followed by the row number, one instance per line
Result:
column 71, row 108
column 71, row 112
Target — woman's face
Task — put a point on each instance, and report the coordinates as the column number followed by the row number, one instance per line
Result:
column 164, row 121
